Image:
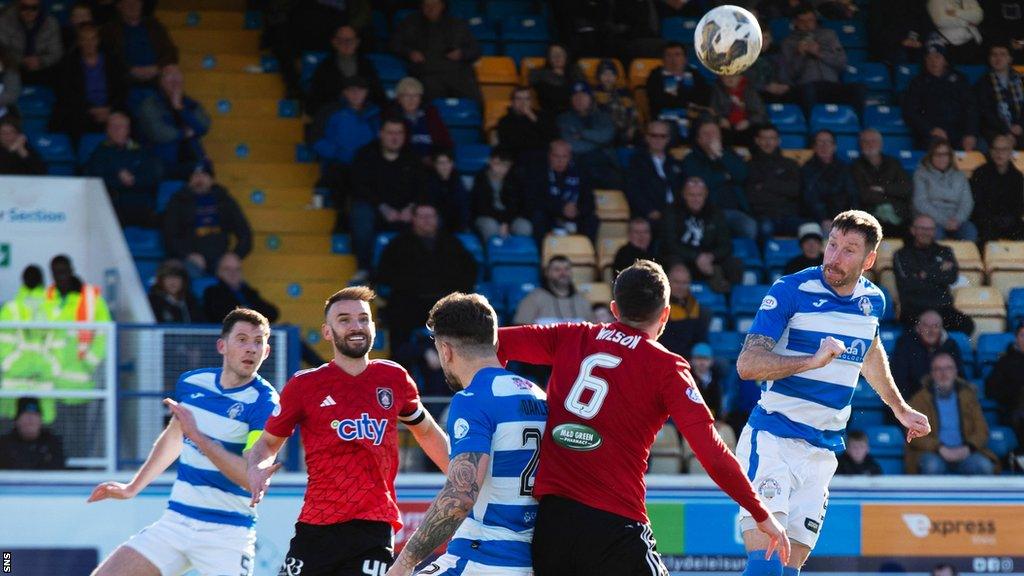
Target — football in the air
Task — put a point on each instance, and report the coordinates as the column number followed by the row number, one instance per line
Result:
column 727, row 40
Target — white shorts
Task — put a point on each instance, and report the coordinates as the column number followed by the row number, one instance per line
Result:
column 792, row 478
column 177, row 543
column 451, row 565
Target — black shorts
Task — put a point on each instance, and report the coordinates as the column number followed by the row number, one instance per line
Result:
column 574, row 539
column 354, row 548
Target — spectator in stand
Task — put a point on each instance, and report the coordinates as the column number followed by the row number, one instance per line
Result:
column 556, row 299
column 635, row 30
column 883, row 187
column 131, row 173
column 739, row 108
column 957, row 443
column 724, row 173
column 924, row 272
column 142, row 41
column 80, row 13
column 828, row 187
column 554, row 81
column 499, row 200
column 17, row 157
column 941, row 191
column 602, row 313
column 815, row 61
column 425, row 128
column 1005, row 387
column 30, row 446
column 1004, row 24
column 773, row 186
column 91, row 85
column 638, row 245
column 591, row 133
column 174, row 124
column 440, row 51
column 342, row 66
column 945, row 570
column 912, row 358
column 617, row 102
column 697, row 234
column 996, row 187
column 10, row 84
column 526, row 132
column 31, row 37
column 232, row 291
column 202, row 221
column 171, row 298
column 1000, row 95
column 688, row 322
column 897, row 31
column 939, row 103
column 811, row 251
column 338, row 132
column 655, row 177
column 562, row 197
column 856, row 461
column 707, row 375
column 28, row 363
column 446, row 192
column 676, row 85
column 681, row 8
column 956, row 24
column 386, row 178
column 422, row 265
column 767, row 74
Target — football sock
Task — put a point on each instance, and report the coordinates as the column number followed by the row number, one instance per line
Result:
column 790, row 571
column 758, row 566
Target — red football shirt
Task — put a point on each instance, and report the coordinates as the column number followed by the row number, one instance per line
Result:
column 611, row 390
column 348, row 425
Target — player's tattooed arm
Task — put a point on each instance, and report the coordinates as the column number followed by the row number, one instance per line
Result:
column 758, row 362
column 466, row 473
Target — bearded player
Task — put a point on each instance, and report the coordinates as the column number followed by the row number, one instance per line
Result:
column 612, row 388
column 348, row 412
column 815, row 334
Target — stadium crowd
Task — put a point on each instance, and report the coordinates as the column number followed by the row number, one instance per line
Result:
column 713, row 172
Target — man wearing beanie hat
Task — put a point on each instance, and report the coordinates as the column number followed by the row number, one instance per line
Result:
column 811, row 252
column 939, row 103
column 591, row 133
column 29, row 446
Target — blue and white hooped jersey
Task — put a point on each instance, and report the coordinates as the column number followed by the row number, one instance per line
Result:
column 234, row 417
column 503, row 415
column 800, row 310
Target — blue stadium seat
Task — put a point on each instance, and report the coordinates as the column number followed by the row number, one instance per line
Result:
column 992, row 345
column 516, row 274
column 402, row 15
column 890, row 307
column 848, row 147
column 747, row 299
column 471, row 158
column 910, row 159
column 839, row 118
column 746, row 250
column 678, row 29
column 780, row 28
column 87, row 144
column 1002, row 440
column 490, row 49
column 873, row 75
column 889, row 336
column 624, row 155
column 464, row 9
column 495, row 295
column 56, row 150
column 519, row 50
column 459, row 112
column 866, row 417
column 341, row 244
column 498, row 9
column 526, row 28
column 856, row 56
column 36, row 102
column 144, row 242
column 991, row 414
column 164, row 192
column 709, row 299
column 514, row 294
column 472, row 244
column 1015, row 306
column 885, row 440
column 512, row 250
column 379, row 244
column 200, row 284
column 886, row 119
column 973, row 72
column 963, row 342
column 379, row 23
column 726, row 345
column 788, row 118
column 851, row 33
column 893, row 144
column 388, row 67
column 891, row 465
column 779, row 251
column 483, row 29
column 793, row 141
column 864, row 396
column 903, row 74
column 147, row 268
column 310, row 61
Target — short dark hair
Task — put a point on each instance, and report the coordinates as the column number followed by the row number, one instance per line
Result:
column 641, row 292
column 502, row 153
column 244, row 315
column 999, row 43
column 817, row 133
column 669, row 45
column 466, row 321
column 763, row 127
column 60, row 260
column 32, row 276
column 519, row 89
column 360, row 293
column 860, row 221
column 804, row 8
column 856, row 436
column 443, row 152
column 557, row 258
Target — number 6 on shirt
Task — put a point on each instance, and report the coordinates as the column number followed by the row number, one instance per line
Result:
column 586, row 381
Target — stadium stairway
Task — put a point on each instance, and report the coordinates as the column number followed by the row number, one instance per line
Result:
column 256, row 146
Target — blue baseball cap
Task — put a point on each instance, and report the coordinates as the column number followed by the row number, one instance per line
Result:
column 702, row 350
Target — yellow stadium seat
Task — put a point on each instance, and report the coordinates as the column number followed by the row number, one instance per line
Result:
column 294, row 221
column 496, row 70
column 798, row 155
column 1004, row 255
column 887, row 279
column 582, row 274
column 968, row 259
column 607, row 246
column 494, row 111
column 526, row 65
column 274, row 243
column 335, row 268
column 596, row 292
column 1018, row 160
column 643, row 107
column 273, row 130
column 969, row 161
column 272, row 197
column 611, row 205
column 226, row 5
column 247, row 174
column 640, row 69
column 667, row 452
column 216, row 41
column 886, row 248
column 1006, row 280
column 589, row 67
column 618, row 228
column 680, row 152
column 1019, row 68
column 262, row 152
column 199, row 62
column 202, row 20
column 237, row 108
column 576, row 247
column 978, row 301
column 229, row 84
column 985, row 324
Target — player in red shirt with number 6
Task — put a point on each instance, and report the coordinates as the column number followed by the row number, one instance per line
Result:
column 612, row 388
column 348, row 412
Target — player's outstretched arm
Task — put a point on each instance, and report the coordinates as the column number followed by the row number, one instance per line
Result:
column 758, row 362
column 165, row 451
column 231, row 465
column 465, row 475
column 432, row 440
column 260, row 464
column 876, row 371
